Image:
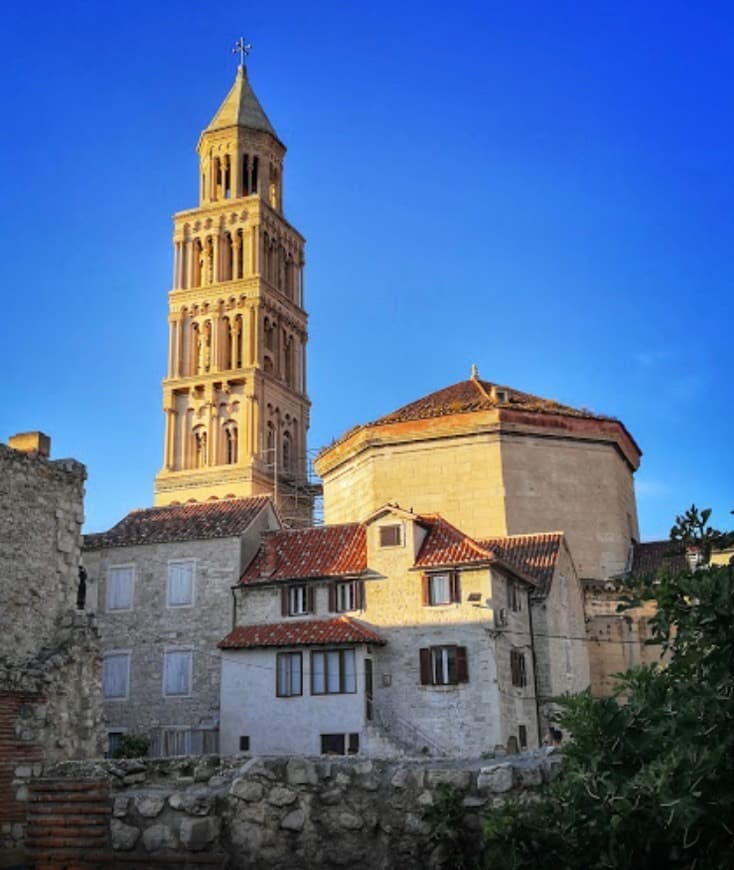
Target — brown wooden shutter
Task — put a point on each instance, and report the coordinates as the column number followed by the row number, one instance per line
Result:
column 462, row 665
column 455, row 585
column 309, row 598
column 425, row 660
column 360, row 594
column 425, row 590
column 332, row 597
column 284, row 601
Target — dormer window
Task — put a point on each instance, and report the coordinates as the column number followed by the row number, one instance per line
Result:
column 391, row 536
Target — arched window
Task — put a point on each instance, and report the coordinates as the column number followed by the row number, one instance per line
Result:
column 230, row 434
column 270, row 444
column 201, row 456
column 227, row 344
column 289, row 360
column 287, row 451
column 269, row 334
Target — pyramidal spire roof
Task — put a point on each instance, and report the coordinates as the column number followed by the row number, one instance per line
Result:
column 241, row 108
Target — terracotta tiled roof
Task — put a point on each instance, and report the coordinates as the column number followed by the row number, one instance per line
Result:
column 446, row 545
column 186, row 522
column 653, row 556
column 534, row 555
column 341, row 630
column 322, row 551
column 477, row 395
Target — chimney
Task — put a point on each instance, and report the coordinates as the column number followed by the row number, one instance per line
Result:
column 31, row 442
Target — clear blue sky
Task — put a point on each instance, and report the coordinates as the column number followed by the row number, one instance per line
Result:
column 544, row 189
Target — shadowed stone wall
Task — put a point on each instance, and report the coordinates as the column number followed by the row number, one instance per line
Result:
column 273, row 814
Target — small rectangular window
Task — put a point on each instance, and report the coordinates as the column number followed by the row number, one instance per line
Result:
column 441, row 589
column 333, row 672
column 120, row 587
column 244, row 743
column 517, row 668
column 180, row 591
column 332, row 744
column 177, row 673
column 391, row 536
column 353, row 747
column 522, row 732
column 289, row 680
column 116, row 675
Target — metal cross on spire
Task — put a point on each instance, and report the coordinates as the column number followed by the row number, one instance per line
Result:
column 242, row 48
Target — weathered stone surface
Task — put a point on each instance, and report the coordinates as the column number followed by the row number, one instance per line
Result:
column 498, row 778
column 149, row 807
column 280, row 796
column 120, row 805
column 301, row 771
column 197, row 834
column 459, row 779
column 246, row 789
column 350, row 822
column 198, row 801
column 159, row 837
column 123, row 837
column 294, row 821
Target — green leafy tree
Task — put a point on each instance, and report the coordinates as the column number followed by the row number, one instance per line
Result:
column 692, row 530
column 648, row 782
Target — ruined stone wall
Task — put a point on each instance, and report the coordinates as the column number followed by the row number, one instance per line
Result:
column 285, row 813
column 50, row 664
column 41, row 515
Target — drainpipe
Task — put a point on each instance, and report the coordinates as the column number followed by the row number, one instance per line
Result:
column 535, row 668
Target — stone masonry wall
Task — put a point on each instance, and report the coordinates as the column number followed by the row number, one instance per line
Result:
column 41, row 514
column 273, row 814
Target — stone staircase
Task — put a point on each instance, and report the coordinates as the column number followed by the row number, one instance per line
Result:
column 68, row 829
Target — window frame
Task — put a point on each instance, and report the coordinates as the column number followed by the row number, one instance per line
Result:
column 327, row 676
column 514, row 596
column 391, row 527
column 287, row 593
column 190, row 675
column 192, row 602
column 455, row 669
column 357, row 595
column 119, row 654
column 454, row 588
column 110, row 570
column 289, row 657
column 518, row 669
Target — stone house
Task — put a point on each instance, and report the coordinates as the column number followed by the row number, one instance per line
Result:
column 399, row 634
column 160, row 582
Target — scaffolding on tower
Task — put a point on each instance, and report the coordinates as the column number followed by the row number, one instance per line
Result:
column 297, row 493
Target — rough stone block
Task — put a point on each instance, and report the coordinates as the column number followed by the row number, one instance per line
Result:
column 124, row 837
column 280, row 796
column 294, row 821
column 301, row 771
column 246, row 789
column 159, row 837
column 149, row 807
column 197, row 834
column 460, row 779
column 499, row 778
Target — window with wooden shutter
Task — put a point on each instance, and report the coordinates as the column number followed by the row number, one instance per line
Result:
column 180, row 587
column 332, row 597
column 517, row 668
column 120, row 580
column 455, row 584
column 309, row 598
column 425, row 665
column 116, row 675
column 361, row 600
column 462, row 667
column 444, row 665
column 284, row 601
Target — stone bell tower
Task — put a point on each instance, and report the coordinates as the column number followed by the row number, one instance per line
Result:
column 234, row 397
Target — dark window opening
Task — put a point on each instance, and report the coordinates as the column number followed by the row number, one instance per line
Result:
column 339, row 744
column 244, row 743
column 390, row 536
column 523, row 735
column 443, row 666
column 517, row 668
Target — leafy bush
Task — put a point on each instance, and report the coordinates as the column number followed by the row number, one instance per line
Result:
column 132, row 746
column 649, row 782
